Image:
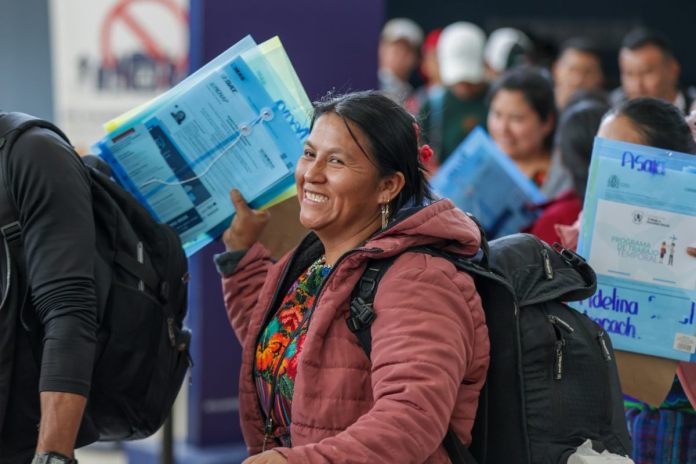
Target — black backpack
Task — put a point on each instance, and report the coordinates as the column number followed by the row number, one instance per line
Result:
column 552, row 381
column 141, row 285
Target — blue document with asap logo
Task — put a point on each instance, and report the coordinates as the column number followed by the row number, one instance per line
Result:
column 638, row 232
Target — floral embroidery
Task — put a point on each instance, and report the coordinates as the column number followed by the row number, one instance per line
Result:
column 281, row 342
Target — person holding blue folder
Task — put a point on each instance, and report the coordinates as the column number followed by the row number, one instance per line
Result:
column 309, row 393
column 517, row 155
column 666, row 434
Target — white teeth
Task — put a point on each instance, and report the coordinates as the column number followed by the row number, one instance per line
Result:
column 316, row 197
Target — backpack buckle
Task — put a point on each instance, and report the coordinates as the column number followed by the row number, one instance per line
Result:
column 11, row 232
column 361, row 314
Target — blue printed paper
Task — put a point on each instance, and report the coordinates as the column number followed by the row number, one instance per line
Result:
column 480, row 179
column 638, row 226
column 227, row 128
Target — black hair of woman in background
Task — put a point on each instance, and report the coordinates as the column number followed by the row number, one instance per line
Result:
column 649, row 121
column 574, row 139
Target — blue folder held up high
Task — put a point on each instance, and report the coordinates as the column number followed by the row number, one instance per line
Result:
column 482, row 180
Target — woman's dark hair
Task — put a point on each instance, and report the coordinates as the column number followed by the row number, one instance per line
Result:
column 390, row 131
column 537, row 89
column 661, row 124
column 575, row 135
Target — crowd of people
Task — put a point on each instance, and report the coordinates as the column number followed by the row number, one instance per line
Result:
column 545, row 118
column 362, row 186
column 309, row 391
column 498, row 84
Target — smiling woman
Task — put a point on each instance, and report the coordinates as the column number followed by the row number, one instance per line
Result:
column 340, row 190
column 522, row 118
column 307, row 388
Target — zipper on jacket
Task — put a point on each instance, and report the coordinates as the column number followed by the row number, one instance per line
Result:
column 267, row 431
column 268, row 428
column 603, row 345
column 548, row 268
column 557, row 321
column 559, row 326
column 140, row 256
column 558, row 360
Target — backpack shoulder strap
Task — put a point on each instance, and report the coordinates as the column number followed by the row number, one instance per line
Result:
column 13, row 125
column 13, row 292
column 361, row 310
column 362, row 314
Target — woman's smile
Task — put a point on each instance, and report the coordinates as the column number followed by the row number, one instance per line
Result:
column 314, row 197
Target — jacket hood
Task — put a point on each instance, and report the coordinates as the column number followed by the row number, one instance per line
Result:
column 439, row 224
column 538, row 273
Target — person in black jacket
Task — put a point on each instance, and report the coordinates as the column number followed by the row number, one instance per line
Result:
column 47, row 352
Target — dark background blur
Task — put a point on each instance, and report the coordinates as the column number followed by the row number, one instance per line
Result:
column 325, row 37
column 605, row 21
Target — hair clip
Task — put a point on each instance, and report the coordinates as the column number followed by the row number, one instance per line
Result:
column 425, row 153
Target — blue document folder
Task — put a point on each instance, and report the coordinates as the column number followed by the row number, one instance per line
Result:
column 480, row 179
column 182, row 154
column 638, row 232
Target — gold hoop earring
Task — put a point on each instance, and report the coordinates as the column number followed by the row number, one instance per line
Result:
column 385, row 215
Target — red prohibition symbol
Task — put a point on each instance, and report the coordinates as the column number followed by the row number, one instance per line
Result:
column 121, row 12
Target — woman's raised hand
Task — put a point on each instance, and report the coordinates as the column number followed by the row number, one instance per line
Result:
column 246, row 226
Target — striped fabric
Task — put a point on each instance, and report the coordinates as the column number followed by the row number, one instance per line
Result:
column 666, row 435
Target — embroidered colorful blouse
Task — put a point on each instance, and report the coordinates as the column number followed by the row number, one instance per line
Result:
column 280, row 345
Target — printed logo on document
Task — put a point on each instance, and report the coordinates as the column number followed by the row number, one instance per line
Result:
column 613, row 181
column 178, row 115
column 638, row 217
